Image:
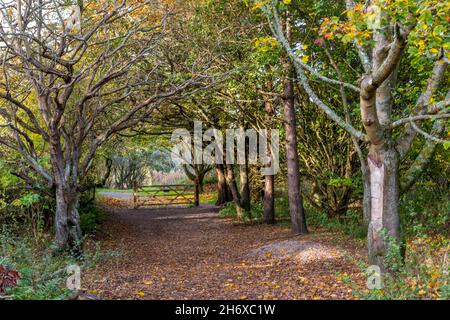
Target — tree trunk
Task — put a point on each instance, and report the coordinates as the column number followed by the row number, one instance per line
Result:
column 244, row 187
column 223, row 193
column 197, row 194
column 67, row 221
column 296, row 209
column 108, row 164
column 198, row 174
column 384, row 237
column 231, row 181
column 269, row 180
column 366, row 195
column 200, row 178
column 269, row 199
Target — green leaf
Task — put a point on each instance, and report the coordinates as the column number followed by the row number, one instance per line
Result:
column 447, row 145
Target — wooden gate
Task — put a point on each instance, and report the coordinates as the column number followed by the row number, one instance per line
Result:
column 165, row 195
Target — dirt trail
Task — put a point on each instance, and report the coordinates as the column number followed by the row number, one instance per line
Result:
column 120, row 195
column 192, row 253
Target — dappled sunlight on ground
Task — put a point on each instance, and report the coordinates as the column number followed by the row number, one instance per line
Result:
column 191, row 253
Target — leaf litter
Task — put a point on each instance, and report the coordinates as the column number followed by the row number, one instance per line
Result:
column 192, row 253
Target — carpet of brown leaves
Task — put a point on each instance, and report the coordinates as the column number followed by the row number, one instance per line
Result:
column 192, row 253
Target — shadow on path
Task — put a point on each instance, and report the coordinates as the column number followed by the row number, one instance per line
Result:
column 192, row 253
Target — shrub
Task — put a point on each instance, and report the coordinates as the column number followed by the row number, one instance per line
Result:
column 423, row 275
column 228, row 210
column 91, row 217
column 351, row 223
column 281, row 207
column 425, row 211
column 43, row 274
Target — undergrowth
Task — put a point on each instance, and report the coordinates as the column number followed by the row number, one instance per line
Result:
column 43, row 274
column 423, row 274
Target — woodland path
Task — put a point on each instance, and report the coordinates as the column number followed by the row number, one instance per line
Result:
column 192, row 253
column 119, row 195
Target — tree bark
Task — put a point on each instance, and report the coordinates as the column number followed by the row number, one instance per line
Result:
column 223, row 192
column 231, row 181
column 200, row 179
column 67, row 222
column 269, row 180
column 296, row 209
column 197, row 194
column 384, row 226
column 244, row 187
column 108, row 165
column 269, row 199
column 366, row 194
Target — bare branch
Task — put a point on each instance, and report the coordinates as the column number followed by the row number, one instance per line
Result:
column 403, row 121
column 275, row 26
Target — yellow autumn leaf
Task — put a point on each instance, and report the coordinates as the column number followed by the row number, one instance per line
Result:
column 258, row 5
column 230, row 285
column 421, row 292
column 148, row 282
column 435, row 275
column 434, row 51
column 421, row 45
column 243, row 297
column 140, row 294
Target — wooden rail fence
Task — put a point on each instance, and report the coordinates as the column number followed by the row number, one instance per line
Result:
column 165, row 195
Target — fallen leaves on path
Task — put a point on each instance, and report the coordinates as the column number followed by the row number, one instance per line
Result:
column 191, row 253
